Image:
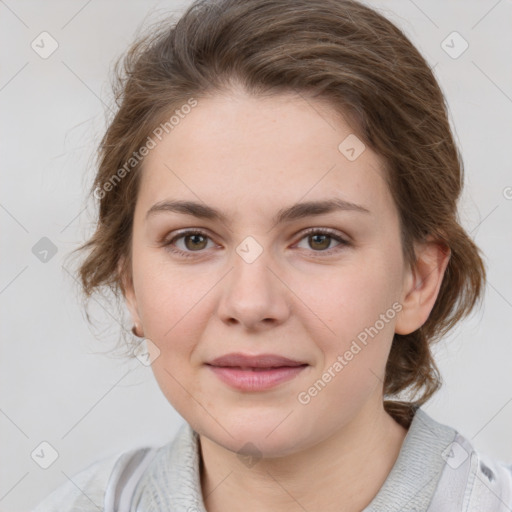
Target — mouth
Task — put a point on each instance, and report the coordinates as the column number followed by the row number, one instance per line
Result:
column 257, row 369
column 256, row 379
column 248, row 361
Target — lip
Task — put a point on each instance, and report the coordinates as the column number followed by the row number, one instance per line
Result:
column 257, row 372
column 255, row 361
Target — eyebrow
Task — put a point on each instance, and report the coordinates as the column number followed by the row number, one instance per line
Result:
column 294, row 212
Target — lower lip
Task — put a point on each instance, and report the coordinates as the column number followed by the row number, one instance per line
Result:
column 255, row 380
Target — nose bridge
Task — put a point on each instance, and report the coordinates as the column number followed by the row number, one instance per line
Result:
column 254, row 293
column 252, row 263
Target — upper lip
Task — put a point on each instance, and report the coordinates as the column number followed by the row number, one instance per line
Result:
column 254, row 361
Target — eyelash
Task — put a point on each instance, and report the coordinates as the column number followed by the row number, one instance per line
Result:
column 316, row 231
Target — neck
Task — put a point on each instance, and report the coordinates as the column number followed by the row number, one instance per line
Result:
column 348, row 468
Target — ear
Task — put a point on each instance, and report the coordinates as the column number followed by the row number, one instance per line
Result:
column 127, row 288
column 422, row 283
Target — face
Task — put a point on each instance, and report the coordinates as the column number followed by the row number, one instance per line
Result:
column 266, row 276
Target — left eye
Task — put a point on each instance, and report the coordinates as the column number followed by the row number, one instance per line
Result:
column 320, row 240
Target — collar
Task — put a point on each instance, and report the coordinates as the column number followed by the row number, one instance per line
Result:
column 172, row 481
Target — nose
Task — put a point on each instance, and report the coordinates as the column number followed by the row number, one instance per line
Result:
column 254, row 294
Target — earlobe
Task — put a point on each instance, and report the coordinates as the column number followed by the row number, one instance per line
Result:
column 421, row 285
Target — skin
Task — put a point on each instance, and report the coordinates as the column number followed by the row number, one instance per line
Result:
column 305, row 298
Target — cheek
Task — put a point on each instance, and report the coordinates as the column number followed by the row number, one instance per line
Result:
column 174, row 318
column 347, row 299
column 358, row 308
column 167, row 296
column 356, row 303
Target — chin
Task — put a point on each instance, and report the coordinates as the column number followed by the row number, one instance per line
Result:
column 257, row 438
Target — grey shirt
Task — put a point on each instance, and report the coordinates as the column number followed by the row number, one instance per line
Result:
column 437, row 470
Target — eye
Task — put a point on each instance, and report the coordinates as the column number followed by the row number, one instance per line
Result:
column 320, row 240
column 193, row 240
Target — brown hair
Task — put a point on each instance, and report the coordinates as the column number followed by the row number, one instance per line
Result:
column 339, row 51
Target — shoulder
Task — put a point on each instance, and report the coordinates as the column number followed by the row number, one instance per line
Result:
column 83, row 491
column 96, row 487
column 489, row 483
column 472, row 480
column 114, row 483
column 445, row 467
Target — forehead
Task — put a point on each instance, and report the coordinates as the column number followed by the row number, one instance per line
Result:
column 238, row 152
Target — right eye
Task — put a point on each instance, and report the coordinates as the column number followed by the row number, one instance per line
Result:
column 194, row 241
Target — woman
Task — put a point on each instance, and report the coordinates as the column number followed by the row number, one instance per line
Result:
column 278, row 209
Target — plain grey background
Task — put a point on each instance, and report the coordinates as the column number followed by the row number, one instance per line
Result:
column 56, row 386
